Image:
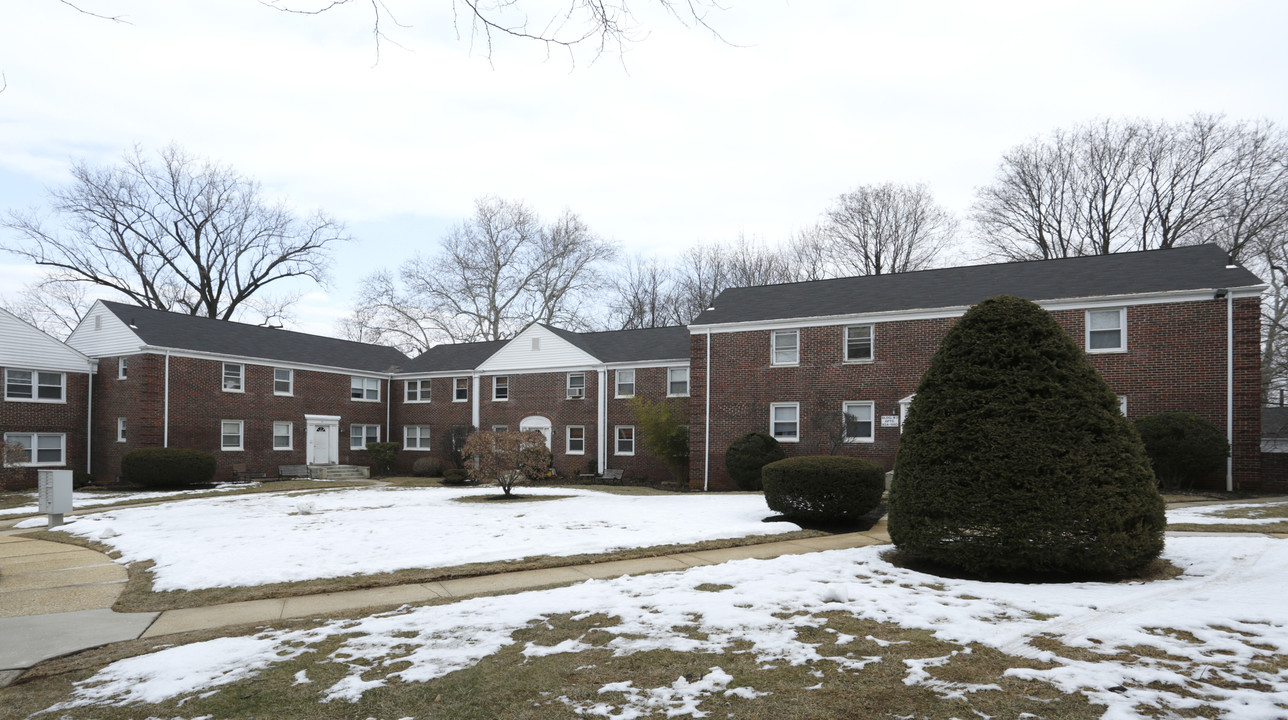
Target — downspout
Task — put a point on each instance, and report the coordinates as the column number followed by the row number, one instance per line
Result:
column 1229, row 389
column 165, row 415
column 706, row 423
column 601, row 433
column 89, row 421
column 474, row 397
column 389, row 403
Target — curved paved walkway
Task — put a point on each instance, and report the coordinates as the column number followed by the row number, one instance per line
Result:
column 55, row 599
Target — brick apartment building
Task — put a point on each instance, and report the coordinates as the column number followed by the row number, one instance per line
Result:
column 46, row 405
column 1169, row 329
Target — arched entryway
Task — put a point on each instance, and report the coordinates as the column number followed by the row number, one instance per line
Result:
column 536, row 423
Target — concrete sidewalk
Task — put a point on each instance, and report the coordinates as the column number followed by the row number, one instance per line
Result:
column 55, row 599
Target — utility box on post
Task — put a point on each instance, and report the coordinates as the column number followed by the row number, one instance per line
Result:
column 55, row 494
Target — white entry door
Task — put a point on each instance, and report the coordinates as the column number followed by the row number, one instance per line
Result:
column 321, row 446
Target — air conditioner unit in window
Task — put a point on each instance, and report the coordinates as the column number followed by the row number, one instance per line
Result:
column 576, row 393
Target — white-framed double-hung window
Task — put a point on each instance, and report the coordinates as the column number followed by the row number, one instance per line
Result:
column 858, row 343
column 364, row 388
column 784, row 421
column 625, row 386
column 576, row 440
column 1107, row 330
column 39, row 448
column 234, row 377
column 859, row 422
column 416, row 437
column 360, row 435
column 35, row 386
column 786, row 347
column 576, row 386
column 283, row 432
column 231, row 434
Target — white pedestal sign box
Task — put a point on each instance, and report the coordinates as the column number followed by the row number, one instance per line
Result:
column 55, row 490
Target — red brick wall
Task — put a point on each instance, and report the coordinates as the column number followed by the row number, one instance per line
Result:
column 70, row 418
column 545, row 395
column 198, row 404
column 1175, row 361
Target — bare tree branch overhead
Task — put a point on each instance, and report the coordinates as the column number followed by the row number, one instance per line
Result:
column 569, row 25
column 177, row 233
column 877, row 229
column 493, row 275
column 114, row 18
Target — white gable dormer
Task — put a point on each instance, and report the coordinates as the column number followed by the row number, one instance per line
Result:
column 102, row 334
column 537, row 348
column 24, row 346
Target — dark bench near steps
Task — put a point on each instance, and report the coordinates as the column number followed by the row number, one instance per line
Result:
column 293, row 471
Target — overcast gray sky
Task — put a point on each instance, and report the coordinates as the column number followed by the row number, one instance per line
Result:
column 683, row 139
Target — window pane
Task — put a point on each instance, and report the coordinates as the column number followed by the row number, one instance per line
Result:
column 1105, row 339
column 858, row 342
column 785, row 346
column 25, row 440
column 49, row 448
column 462, row 388
column 678, row 381
column 858, row 420
column 1104, row 319
column 784, row 421
column 625, row 382
column 18, row 384
column 282, row 381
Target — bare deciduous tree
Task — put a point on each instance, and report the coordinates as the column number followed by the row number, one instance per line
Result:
column 53, row 306
column 493, row 275
column 643, row 295
column 507, row 458
column 182, row 234
column 878, row 229
column 1115, row 186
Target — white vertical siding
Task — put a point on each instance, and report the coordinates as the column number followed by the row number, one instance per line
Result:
column 102, row 334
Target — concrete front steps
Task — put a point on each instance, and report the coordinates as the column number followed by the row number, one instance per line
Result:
column 339, row 472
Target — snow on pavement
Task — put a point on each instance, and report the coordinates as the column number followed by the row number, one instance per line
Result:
column 285, row 537
column 1215, row 626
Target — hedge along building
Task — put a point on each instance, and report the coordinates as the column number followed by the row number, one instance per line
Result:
column 1170, row 330
column 46, row 404
column 574, row 388
column 254, row 396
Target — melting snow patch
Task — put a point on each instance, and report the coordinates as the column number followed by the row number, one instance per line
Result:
column 682, row 697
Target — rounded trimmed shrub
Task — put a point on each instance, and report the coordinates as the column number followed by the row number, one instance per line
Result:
column 748, row 454
column 1183, row 448
column 829, row 489
column 427, row 467
column 1014, row 458
column 167, row 467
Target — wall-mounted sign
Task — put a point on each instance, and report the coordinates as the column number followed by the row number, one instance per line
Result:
column 889, row 421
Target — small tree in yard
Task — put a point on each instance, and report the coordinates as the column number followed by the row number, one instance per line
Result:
column 456, row 448
column 507, row 458
column 663, row 433
column 1183, row 447
column 1015, row 459
column 11, row 472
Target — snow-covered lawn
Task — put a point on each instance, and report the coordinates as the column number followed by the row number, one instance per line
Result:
column 92, row 499
column 1218, row 634
column 1263, row 513
column 286, row 537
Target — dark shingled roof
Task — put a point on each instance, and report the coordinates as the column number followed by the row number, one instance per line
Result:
column 668, row 343
column 225, row 337
column 664, row 343
column 461, row 356
column 1187, row 268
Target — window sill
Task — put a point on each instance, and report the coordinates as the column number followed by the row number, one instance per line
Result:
column 622, row 454
column 40, row 464
column 860, row 441
column 1108, row 351
column 574, row 452
column 788, row 440
column 418, row 402
column 353, row 399
column 623, row 397
column 671, row 396
column 239, row 392
column 461, row 400
column 44, row 401
column 869, row 361
column 282, row 394
column 575, row 397
column 278, row 449
column 224, row 449
column 791, row 364
column 415, row 449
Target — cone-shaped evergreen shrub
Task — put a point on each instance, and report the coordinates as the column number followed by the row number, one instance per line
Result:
column 1183, row 447
column 1014, row 458
column 823, row 488
column 748, row 454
